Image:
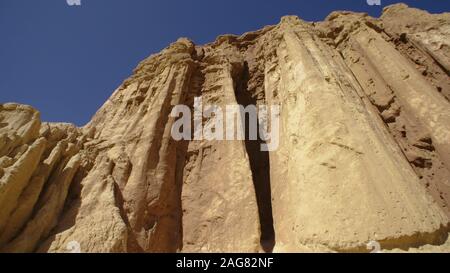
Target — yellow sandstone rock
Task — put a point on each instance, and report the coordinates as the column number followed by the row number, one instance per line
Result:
column 363, row 154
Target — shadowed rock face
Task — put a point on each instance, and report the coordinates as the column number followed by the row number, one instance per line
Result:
column 364, row 150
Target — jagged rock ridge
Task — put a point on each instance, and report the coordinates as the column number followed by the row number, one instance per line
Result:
column 364, row 148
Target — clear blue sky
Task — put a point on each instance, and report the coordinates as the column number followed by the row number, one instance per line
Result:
column 66, row 61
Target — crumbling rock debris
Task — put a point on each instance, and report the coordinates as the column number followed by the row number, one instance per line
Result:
column 364, row 150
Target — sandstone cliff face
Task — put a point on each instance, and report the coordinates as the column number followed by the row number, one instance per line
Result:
column 364, row 151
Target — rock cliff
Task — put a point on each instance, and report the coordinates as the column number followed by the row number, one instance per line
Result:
column 364, row 148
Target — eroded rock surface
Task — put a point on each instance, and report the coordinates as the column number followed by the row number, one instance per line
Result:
column 364, row 152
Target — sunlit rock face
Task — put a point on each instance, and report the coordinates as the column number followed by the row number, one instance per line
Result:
column 363, row 153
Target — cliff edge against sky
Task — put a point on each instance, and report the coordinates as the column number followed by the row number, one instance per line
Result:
column 364, row 149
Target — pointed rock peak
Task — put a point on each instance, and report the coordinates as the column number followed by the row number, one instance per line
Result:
column 226, row 38
column 185, row 41
column 395, row 7
column 183, row 44
column 291, row 20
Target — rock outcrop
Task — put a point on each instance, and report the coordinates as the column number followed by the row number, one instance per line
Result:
column 364, row 148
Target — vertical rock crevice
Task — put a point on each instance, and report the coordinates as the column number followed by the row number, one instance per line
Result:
column 259, row 163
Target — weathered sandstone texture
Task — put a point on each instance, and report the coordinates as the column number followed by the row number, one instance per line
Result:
column 364, row 150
